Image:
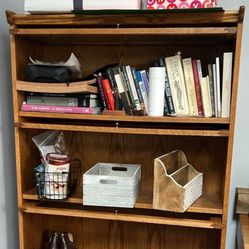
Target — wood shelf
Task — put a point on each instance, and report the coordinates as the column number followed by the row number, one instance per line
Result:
column 126, row 118
column 127, row 31
column 118, row 216
column 159, row 18
column 205, row 204
column 124, row 130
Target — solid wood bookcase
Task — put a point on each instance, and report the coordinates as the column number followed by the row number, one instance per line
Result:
column 133, row 39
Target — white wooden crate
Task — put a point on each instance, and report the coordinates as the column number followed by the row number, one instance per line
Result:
column 112, row 185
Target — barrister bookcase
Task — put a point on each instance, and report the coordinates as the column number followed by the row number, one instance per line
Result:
column 136, row 39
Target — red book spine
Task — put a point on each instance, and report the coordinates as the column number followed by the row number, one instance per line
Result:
column 109, row 94
column 197, row 88
column 58, row 109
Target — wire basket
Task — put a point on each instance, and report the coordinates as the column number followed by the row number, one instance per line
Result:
column 57, row 185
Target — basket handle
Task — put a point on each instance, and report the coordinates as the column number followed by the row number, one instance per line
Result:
column 107, row 181
column 119, row 169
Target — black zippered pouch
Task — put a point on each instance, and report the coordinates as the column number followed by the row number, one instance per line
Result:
column 47, row 74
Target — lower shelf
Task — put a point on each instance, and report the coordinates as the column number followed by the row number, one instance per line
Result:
column 36, row 208
column 206, row 204
column 110, row 234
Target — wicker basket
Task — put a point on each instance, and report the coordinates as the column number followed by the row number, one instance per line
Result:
column 177, row 185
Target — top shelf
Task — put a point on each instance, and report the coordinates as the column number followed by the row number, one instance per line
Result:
column 129, row 19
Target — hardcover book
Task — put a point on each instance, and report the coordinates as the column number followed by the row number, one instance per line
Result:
column 168, row 96
column 226, row 84
column 177, row 84
column 211, row 87
column 60, row 109
column 217, row 63
column 143, row 91
column 197, row 88
column 205, row 92
column 190, row 85
column 121, row 90
column 136, row 102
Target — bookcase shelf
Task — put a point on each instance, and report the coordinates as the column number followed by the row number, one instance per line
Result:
column 135, row 31
column 131, row 39
column 206, row 204
column 119, row 216
column 117, row 129
column 126, row 118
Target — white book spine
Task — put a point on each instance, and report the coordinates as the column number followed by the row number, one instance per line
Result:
column 177, row 84
column 211, row 87
column 205, row 93
column 226, row 84
column 190, row 86
column 215, row 91
column 133, row 88
column 217, row 63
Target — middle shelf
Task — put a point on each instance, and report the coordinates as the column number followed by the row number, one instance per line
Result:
column 208, row 204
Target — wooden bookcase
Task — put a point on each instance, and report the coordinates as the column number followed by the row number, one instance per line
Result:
column 133, row 39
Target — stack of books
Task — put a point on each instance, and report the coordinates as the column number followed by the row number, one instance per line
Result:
column 187, row 91
column 80, row 103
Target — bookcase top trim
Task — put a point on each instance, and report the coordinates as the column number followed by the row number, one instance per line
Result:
column 199, row 18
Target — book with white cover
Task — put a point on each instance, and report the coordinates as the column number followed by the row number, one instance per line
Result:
column 190, row 86
column 217, row 63
column 215, row 91
column 206, row 99
column 111, row 4
column 226, row 84
column 177, row 84
column 211, row 86
column 58, row 6
column 64, row 6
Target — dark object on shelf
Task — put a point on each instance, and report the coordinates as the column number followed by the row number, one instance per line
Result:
column 54, row 241
column 66, row 242
column 61, row 241
column 57, row 185
column 48, row 74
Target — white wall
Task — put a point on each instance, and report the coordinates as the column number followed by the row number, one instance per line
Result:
column 8, row 210
column 8, row 202
column 240, row 165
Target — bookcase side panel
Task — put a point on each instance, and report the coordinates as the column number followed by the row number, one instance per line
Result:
column 236, row 70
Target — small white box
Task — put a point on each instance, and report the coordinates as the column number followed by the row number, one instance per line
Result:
column 112, row 185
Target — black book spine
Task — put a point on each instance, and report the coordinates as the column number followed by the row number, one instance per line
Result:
column 127, row 84
column 120, row 85
column 140, row 97
column 168, row 95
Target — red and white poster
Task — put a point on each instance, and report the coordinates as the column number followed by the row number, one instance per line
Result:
column 180, row 4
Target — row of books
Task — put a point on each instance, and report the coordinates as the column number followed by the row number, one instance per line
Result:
column 62, row 103
column 198, row 95
column 123, row 87
column 187, row 91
